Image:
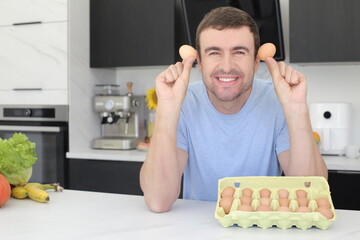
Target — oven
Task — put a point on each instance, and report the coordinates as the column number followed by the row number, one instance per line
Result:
column 47, row 127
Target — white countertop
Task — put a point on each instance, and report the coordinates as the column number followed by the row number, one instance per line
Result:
column 90, row 215
column 333, row 162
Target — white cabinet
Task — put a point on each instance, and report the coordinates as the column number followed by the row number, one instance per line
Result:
column 23, row 11
column 33, row 56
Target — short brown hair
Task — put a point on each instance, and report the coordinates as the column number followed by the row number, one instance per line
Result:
column 228, row 17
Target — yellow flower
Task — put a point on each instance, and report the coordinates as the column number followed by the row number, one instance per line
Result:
column 151, row 99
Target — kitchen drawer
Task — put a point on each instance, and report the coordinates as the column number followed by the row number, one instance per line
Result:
column 105, row 176
column 22, row 11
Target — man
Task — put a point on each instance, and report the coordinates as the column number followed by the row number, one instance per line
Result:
column 228, row 124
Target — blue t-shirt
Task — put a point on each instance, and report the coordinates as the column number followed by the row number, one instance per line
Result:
column 221, row 145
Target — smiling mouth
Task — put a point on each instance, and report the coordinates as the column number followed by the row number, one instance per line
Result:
column 227, row 79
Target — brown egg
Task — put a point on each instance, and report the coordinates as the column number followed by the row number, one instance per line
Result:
column 266, row 50
column 303, row 202
column 283, row 209
column 246, row 208
column 187, row 51
column 265, row 208
column 228, row 192
column 226, row 203
column 323, row 202
column 265, row 193
column 265, row 201
column 301, row 193
column 247, row 192
column 246, row 200
column 284, row 202
column 303, row 209
column 283, row 193
column 326, row 212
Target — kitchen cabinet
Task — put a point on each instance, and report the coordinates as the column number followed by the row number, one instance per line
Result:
column 105, row 176
column 343, row 187
column 33, row 51
column 33, row 56
column 134, row 33
column 23, row 11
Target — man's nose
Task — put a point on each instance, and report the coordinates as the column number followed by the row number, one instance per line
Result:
column 227, row 63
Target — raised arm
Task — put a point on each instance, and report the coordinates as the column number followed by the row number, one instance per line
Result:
column 304, row 158
column 160, row 175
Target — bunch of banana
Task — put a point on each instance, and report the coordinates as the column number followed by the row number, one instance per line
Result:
column 35, row 191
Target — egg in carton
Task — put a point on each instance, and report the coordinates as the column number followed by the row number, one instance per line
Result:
column 284, row 202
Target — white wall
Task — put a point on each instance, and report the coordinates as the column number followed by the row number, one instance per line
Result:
column 328, row 83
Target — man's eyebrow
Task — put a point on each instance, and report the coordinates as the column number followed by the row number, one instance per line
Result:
column 241, row 48
column 208, row 49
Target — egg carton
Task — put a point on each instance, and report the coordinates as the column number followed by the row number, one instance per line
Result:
column 315, row 187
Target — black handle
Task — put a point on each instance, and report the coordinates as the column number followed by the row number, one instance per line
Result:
column 27, row 23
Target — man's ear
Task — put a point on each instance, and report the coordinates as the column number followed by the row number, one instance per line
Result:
column 199, row 63
column 257, row 63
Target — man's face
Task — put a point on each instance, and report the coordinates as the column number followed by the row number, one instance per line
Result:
column 227, row 63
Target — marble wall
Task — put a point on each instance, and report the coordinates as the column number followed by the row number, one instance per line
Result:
column 326, row 83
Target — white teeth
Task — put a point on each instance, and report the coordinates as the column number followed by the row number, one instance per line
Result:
column 227, row 79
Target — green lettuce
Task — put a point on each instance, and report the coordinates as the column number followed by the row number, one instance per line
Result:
column 17, row 155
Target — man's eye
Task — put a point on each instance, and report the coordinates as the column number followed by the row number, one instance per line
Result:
column 240, row 52
column 213, row 53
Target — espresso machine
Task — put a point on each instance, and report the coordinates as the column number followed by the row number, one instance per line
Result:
column 123, row 123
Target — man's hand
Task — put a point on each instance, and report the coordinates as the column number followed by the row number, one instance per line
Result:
column 171, row 84
column 290, row 84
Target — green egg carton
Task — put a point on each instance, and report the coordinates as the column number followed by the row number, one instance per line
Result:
column 315, row 187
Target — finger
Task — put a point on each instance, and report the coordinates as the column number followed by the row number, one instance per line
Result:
column 282, row 67
column 187, row 65
column 169, row 78
column 179, row 67
column 295, row 77
column 288, row 74
column 174, row 71
column 273, row 69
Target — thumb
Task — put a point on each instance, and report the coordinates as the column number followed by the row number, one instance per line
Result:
column 274, row 69
column 187, row 64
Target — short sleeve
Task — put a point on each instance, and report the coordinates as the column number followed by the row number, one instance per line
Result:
column 181, row 141
column 282, row 140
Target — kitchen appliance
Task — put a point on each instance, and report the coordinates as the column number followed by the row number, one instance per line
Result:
column 123, row 123
column 332, row 121
column 47, row 127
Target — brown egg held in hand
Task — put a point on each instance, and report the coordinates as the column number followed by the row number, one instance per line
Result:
column 265, row 193
column 323, row 202
column 187, row 51
column 266, row 50
column 228, row 192
column 283, row 193
column 246, row 208
column 226, row 203
column 326, row 212
column 247, row 192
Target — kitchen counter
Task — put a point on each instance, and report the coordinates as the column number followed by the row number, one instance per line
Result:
column 332, row 162
column 92, row 215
